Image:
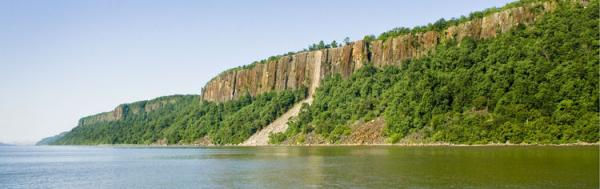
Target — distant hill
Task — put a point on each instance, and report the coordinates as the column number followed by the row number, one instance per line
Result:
column 52, row 139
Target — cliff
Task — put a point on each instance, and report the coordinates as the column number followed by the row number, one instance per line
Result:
column 187, row 120
column 123, row 110
column 294, row 71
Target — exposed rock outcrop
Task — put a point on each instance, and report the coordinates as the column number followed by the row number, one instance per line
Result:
column 288, row 72
column 121, row 111
column 116, row 114
column 294, row 71
column 281, row 124
column 370, row 132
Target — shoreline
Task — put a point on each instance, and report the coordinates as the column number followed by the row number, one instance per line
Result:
column 331, row 145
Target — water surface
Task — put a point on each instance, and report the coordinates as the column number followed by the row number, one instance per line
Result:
column 300, row 167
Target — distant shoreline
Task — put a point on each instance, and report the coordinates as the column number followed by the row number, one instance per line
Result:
column 331, row 145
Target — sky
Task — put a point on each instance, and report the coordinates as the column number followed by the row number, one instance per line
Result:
column 65, row 59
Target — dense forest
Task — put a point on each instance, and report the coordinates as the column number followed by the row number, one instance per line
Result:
column 188, row 120
column 535, row 84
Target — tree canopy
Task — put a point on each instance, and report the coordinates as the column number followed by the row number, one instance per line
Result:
column 188, row 120
column 535, row 84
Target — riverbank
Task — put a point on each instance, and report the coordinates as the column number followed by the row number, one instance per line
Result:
column 334, row 145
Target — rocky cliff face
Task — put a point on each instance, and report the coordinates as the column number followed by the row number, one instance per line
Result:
column 294, row 71
column 123, row 110
column 116, row 114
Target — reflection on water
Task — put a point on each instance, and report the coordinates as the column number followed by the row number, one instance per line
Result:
column 300, row 167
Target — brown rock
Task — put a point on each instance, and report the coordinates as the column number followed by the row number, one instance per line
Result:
column 294, row 71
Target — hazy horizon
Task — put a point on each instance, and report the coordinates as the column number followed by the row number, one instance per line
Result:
column 63, row 60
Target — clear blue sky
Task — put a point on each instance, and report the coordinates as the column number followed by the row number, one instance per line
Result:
column 62, row 60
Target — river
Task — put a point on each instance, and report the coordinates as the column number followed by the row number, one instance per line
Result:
column 300, row 167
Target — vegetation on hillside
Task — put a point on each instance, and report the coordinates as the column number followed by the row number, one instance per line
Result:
column 51, row 139
column 443, row 24
column 188, row 120
column 534, row 84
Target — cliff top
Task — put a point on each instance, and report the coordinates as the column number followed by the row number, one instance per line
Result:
column 438, row 26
